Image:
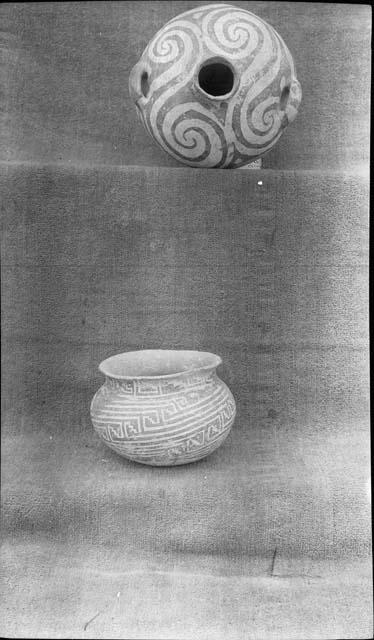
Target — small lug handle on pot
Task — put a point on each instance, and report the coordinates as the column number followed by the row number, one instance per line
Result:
column 290, row 100
column 139, row 83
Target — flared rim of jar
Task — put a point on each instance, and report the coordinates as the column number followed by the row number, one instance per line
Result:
column 153, row 364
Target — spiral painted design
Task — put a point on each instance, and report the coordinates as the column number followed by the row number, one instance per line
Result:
column 228, row 131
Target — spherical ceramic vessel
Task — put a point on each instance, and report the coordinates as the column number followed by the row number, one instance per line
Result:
column 216, row 87
column 162, row 407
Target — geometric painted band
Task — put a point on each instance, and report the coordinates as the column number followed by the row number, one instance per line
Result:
column 180, row 427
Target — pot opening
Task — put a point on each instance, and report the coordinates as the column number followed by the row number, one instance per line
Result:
column 284, row 98
column 144, row 84
column 216, row 78
column 157, row 363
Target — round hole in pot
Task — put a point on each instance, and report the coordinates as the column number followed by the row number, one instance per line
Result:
column 216, row 78
column 144, row 84
column 284, row 98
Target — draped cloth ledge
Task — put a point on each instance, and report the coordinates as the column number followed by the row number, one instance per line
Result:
column 269, row 537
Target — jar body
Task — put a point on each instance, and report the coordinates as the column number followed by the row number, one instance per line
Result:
column 162, row 422
column 216, row 87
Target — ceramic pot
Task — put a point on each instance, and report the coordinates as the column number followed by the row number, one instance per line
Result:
column 216, row 87
column 162, row 407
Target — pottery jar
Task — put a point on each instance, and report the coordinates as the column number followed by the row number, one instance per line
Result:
column 162, row 407
column 216, row 87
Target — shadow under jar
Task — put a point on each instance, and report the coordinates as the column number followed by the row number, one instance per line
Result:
column 163, row 407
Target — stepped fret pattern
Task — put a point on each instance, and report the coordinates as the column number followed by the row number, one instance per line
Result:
column 164, row 422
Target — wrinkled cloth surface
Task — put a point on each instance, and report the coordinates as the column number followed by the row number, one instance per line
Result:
column 270, row 535
column 107, row 246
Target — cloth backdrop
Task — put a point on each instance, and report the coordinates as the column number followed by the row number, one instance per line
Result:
column 109, row 246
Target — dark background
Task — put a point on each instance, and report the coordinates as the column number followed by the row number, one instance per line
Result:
column 66, row 68
column 108, row 245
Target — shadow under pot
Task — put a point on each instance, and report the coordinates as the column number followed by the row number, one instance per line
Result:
column 163, row 407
